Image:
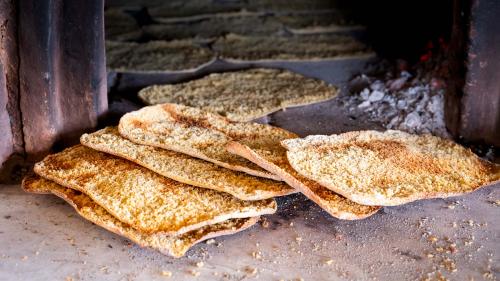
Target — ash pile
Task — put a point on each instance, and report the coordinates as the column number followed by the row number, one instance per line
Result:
column 401, row 99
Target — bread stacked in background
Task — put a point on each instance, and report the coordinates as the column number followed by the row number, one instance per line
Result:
column 242, row 95
column 172, row 175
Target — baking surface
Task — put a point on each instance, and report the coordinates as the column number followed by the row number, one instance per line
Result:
column 42, row 238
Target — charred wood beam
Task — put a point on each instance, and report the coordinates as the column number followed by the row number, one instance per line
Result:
column 480, row 117
column 62, row 71
column 473, row 104
column 11, row 136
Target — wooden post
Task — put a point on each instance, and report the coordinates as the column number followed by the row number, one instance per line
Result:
column 473, row 104
column 11, row 136
column 62, row 71
column 52, row 76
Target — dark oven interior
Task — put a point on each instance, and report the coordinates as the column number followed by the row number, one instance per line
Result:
column 418, row 66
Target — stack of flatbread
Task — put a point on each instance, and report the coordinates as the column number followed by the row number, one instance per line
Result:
column 172, row 175
column 156, row 197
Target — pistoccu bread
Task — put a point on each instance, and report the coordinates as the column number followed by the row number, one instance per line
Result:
column 186, row 169
column 242, row 95
column 389, row 168
column 141, row 198
column 175, row 246
column 275, row 161
column 200, row 134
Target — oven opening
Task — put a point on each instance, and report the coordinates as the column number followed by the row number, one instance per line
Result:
column 249, row 140
column 394, row 64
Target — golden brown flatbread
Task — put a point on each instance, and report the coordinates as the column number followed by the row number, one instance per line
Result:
column 141, row 198
column 186, row 169
column 389, row 168
column 242, row 95
column 175, row 246
column 200, row 134
column 275, row 161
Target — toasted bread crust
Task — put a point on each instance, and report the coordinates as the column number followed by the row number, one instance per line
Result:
column 141, row 198
column 199, row 134
column 389, row 168
column 242, row 95
column 186, row 169
column 175, row 246
column 275, row 162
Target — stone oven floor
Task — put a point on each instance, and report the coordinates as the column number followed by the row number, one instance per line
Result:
column 42, row 238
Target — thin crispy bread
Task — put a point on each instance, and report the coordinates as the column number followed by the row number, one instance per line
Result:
column 295, row 48
column 186, row 169
column 141, row 198
column 200, row 134
column 275, row 161
column 156, row 55
column 175, row 246
column 242, row 95
column 389, row 168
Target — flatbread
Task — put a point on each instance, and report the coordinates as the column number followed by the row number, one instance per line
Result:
column 309, row 48
column 141, row 198
column 175, row 246
column 275, row 161
column 389, row 168
column 242, row 95
column 186, row 169
column 174, row 55
column 200, row 134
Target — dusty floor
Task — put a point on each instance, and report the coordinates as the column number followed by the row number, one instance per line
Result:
column 42, row 238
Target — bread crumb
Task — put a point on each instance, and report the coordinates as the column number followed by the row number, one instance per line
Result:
column 24, row 258
column 210, row 241
column 194, row 273
column 449, row 265
column 488, row 275
column 166, row 273
column 329, row 262
column 265, row 223
column 453, row 248
column 298, row 239
column 257, row 255
column 432, row 239
column 200, row 264
column 250, row 271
